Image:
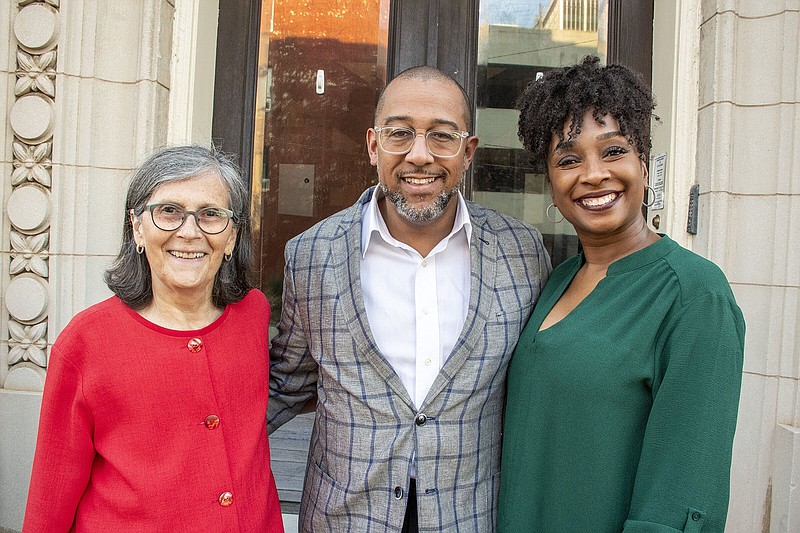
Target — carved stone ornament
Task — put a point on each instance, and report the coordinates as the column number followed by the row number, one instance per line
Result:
column 37, row 27
column 28, row 209
column 27, row 343
column 32, row 117
column 53, row 3
column 29, row 254
column 32, row 164
column 27, row 299
column 36, row 73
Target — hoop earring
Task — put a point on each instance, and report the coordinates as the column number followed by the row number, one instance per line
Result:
column 653, row 196
column 228, row 257
column 550, row 216
column 139, row 249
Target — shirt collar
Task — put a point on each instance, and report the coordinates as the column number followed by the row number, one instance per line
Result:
column 373, row 223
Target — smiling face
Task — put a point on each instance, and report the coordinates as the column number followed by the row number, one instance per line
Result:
column 597, row 180
column 186, row 260
column 419, row 187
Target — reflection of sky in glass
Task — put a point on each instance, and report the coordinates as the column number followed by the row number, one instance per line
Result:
column 515, row 12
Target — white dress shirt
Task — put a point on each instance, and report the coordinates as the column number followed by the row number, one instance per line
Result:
column 416, row 306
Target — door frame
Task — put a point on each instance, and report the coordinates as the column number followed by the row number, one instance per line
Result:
column 421, row 32
column 233, row 122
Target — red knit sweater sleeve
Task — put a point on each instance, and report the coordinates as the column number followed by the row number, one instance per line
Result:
column 64, row 450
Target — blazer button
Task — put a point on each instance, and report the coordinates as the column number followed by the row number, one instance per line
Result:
column 211, row 421
column 195, row 345
column 398, row 492
column 226, row 499
column 421, row 419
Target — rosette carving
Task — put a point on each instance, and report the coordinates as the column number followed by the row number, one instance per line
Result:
column 36, row 73
column 29, row 254
column 31, row 116
column 32, row 163
column 53, row 3
column 28, row 343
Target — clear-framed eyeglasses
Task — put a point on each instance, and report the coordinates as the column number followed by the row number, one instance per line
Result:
column 169, row 217
column 440, row 143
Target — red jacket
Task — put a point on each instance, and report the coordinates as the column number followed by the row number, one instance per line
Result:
column 144, row 429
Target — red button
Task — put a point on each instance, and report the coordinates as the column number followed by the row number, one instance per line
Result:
column 195, row 345
column 226, row 499
column 212, row 421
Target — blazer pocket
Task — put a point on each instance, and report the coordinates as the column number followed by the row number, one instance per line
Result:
column 515, row 313
column 479, row 506
column 502, row 331
column 325, row 510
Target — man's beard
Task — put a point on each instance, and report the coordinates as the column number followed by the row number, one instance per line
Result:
column 426, row 213
column 411, row 213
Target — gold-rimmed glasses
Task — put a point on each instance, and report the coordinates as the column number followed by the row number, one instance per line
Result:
column 440, row 143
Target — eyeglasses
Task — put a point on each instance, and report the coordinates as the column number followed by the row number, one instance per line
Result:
column 440, row 143
column 169, row 217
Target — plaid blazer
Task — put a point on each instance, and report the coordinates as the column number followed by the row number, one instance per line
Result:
column 367, row 429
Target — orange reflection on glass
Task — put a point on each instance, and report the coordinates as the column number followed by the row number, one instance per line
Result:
column 322, row 64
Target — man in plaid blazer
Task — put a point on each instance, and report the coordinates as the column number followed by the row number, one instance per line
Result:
column 399, row 316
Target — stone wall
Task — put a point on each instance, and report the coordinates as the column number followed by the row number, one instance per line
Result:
column 748, row 168
column 86, row 88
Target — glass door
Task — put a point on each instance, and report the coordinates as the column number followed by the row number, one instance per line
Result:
column 321, row 66
column 518, row 41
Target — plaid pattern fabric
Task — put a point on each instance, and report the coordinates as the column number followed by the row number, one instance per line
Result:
column 367, row 429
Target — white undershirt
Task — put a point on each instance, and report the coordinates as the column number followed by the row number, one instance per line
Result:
column 416, row 306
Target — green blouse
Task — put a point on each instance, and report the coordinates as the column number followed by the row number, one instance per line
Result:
column 621, row 416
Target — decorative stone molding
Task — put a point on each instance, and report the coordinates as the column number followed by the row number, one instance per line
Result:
column 27, row 298
column 32, row 164
column 53, row 3
column 32, row 119
column 28, row 209
column 28, row 343
column 37, row 73
column 29, row 254
column 36, row 27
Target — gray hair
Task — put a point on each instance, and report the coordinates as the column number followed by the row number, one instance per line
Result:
column 129, row 276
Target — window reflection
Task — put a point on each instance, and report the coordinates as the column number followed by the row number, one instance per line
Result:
column 321, row 66
column 516, row 42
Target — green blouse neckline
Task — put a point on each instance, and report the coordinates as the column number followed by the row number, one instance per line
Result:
column 638, row 259
column 569, row 269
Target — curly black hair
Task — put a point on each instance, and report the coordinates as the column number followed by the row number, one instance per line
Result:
column 568, row 93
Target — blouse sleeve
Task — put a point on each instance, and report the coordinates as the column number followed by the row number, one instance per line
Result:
column 683, row 476
column 64, row 450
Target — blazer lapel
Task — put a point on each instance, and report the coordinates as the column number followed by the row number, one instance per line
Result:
column 346, row 247
column 483, row 269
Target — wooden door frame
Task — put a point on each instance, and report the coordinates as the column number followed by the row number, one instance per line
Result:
column 421, row 32
column 233, row 122
column 630, row 36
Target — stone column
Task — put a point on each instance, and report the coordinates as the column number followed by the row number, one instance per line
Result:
column 87, row 96
column 749, row 174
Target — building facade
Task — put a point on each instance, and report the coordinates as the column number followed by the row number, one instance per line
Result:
column 91, row 86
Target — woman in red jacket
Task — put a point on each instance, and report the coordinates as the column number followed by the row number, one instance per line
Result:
column 153, row 414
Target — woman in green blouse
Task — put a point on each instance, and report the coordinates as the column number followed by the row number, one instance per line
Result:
column 624, row 387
